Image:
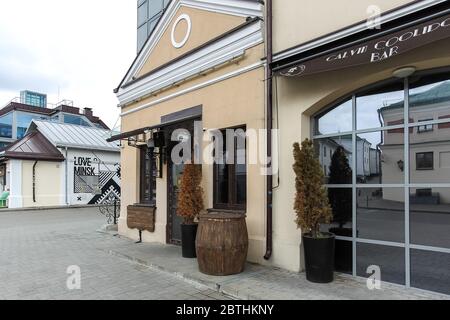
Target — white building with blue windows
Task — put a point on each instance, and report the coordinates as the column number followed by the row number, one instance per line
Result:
column 17, row 115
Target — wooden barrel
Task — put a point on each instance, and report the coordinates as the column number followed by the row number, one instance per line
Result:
column 222, row 243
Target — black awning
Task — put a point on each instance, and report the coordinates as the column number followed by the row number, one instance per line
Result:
column 137, row 132
column 370, row 50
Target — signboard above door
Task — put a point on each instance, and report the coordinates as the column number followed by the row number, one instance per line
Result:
column 373, row 51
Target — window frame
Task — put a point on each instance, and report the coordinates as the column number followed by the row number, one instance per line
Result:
column 426, row 127
column 232, row 189
column 424, row 153
column 409, row 185
column 143, row 198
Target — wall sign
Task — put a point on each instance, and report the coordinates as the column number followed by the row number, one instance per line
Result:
column 83, row 166
column 175, row 43
column 99, row 182
column 85, row 178
column 377, row 50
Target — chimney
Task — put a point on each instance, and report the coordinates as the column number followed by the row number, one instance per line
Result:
column 88, row 112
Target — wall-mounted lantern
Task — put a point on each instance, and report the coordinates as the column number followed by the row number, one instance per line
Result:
column 155, row 146
column 401, row 165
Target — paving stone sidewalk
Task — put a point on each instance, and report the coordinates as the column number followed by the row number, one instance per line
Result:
column 259, row 282
column 37, row 247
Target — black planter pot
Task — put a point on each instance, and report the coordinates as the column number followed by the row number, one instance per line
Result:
column 343, row 255
column 319, row 258
column 188, row 235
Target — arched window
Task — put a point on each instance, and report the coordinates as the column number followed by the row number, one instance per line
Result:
column 388, row 179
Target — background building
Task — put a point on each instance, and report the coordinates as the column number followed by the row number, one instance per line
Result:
column 33, row 98
column 148, row 14
column 17, row 115
column 58, row 164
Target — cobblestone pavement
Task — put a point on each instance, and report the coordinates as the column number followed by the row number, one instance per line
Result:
column 37, row 247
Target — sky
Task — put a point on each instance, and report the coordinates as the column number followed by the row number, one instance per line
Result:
column 77, row 50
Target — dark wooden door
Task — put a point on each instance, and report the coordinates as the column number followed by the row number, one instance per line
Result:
column 174, row 221
column 174, row 175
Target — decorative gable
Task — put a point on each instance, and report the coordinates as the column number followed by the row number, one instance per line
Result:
column 192, row 35
column 188, row 29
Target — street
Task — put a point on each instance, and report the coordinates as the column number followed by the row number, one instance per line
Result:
column 37, row 248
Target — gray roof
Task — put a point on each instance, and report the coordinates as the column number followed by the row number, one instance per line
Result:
column 74, row 136
column 436, row 94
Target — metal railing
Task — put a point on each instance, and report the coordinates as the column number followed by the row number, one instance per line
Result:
column 49, row 105
column 111, row 210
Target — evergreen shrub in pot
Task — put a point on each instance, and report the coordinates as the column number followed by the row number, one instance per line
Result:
column 341, row 204
column 190, row 204
column 312, row 208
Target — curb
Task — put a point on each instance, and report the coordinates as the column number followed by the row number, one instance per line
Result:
column 228, row 291
column 108, row 229
column 235, row 293
column 8, row 210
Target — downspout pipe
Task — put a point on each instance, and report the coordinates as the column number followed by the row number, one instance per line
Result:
column 269, row 127
column 34, row 181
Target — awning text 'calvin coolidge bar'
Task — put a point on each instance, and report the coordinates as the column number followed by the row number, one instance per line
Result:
column 376, row 50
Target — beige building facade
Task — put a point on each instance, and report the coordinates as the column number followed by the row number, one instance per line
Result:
column 206, row 61
column 326, row 91
column 202, row 66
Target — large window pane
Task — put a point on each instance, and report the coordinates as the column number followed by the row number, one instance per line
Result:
column 380, row 107
column 381, row 214
column 380, row 157
column 222, row 184
column 430, row 154
column 241, row 177
column 390, row 260
column 430, row 216
column 141, row 36
column 380, row 161
column 230, row 171
column 154, row 7
column 152, row 24
column 148, row 175
column 429, row 97
column 335, row 157
column 6, row 126
column 430, row 271
column 78, row 120
column 142, row 13
column 23, row 122
column 336, row 120
column 341, row 204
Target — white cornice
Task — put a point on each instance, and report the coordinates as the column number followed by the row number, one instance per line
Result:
column 197, row 87
column 233, row 7
column 218, row 53
column 414, row 7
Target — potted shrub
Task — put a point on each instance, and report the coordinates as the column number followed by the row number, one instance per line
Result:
column 190, row 204
column 341, row 204
column 312, row 208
